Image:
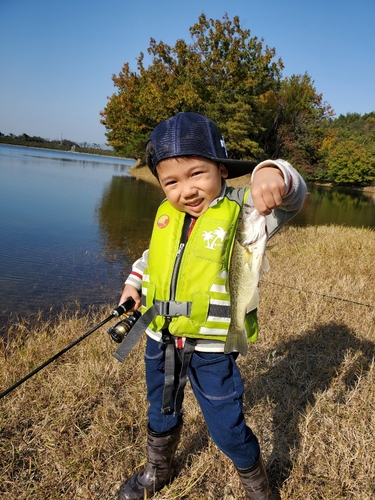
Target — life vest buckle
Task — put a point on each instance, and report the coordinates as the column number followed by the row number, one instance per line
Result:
column 173, row 308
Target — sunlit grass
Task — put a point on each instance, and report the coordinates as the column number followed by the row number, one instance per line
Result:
column 76, row 430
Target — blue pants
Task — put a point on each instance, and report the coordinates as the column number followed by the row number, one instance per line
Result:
column 218, row 388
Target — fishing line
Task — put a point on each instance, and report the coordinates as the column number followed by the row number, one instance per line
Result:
column 316, row 293
column 121, row 309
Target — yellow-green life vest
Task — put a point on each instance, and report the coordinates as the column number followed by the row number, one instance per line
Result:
column 202, row 275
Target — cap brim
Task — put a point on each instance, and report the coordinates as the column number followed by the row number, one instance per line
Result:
column 237, row 168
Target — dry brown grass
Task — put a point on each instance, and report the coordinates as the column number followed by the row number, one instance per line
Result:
column 77, row 429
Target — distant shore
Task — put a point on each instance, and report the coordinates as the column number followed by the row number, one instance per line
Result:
column 140, row 171
column 94, row 152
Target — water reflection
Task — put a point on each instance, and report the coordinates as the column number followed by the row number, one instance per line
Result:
column 325, row 205
column 71, row 226
column 52, row 249
column 125, row 217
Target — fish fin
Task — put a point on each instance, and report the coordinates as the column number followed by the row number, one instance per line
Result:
column 236, row 341
column 246, row 257
column 253, row 302
column 265, row 264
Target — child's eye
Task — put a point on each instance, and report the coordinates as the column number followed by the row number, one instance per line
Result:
column 170, row 183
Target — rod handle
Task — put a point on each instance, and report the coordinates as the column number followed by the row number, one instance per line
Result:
column 124, row 307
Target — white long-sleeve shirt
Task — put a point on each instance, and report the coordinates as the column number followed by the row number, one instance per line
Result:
column 292, row 204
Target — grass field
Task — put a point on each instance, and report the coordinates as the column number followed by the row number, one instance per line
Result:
column 76, row 430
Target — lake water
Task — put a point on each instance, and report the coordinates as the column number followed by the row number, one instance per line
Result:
column 70, row 227
column 72, row 224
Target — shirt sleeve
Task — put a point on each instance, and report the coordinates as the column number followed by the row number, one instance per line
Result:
column 136, row 275
column 293, row 200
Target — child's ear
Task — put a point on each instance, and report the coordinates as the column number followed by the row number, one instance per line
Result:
column 223, row 171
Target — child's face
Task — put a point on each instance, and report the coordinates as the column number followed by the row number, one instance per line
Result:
column 191, row 184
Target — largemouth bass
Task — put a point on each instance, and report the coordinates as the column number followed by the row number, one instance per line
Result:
column 247, row 262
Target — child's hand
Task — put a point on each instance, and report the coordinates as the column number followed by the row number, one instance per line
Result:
column 131, row 291
column 267, row 189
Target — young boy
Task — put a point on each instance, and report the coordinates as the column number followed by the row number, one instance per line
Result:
column 180, row 280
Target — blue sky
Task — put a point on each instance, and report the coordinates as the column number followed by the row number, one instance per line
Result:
column 57, row 56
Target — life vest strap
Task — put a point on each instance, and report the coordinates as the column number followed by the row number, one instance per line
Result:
column 188, row 350
column 175, row 371
column 169, row 371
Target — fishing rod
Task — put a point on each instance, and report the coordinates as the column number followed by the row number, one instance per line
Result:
column 118, row 311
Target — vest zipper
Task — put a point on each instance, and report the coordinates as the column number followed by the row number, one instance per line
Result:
column 180, row 251
column 173, row 286
column 176, row 268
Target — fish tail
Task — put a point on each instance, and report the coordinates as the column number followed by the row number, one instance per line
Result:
column 236, row 341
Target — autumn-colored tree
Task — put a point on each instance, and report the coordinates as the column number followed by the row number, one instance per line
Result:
column 299, row 129
column 349, row 149
column 350, row 163
column 223, row 73
column 234, row 79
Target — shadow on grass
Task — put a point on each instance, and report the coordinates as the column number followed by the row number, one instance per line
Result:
column 293, row 373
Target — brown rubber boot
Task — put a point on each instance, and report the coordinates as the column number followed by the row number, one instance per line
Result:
column 255, row 482
column 159, row 470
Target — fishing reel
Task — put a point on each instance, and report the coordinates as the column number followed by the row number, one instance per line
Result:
column 121, row 329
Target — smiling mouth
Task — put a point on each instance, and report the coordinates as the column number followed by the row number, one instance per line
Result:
column 195, row 203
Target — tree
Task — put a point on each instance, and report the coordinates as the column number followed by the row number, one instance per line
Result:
column 349, row 149
column 299, row 127
column 223, row 73
column 350, row 163
column 236, row 80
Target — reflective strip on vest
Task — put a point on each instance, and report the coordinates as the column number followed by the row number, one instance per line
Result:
column 203, row 284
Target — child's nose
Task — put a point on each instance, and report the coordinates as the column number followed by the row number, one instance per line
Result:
column 189, row 190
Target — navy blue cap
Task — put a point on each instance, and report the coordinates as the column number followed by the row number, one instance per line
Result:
column 192, row 134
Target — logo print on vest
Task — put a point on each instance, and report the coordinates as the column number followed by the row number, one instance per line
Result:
column 163, row 221
column 214, row 238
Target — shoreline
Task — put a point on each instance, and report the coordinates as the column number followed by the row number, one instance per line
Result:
column 142, row 172
column 68, row 151
column 312, row 335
